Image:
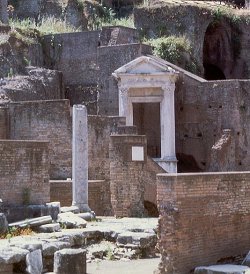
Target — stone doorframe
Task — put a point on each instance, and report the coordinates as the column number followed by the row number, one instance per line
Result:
column 146, row 80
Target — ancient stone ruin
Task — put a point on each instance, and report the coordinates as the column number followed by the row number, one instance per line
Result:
column 121, row 143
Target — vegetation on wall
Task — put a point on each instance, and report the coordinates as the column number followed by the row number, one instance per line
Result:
column 46, row 25
column 171, row 48
column 175, row 49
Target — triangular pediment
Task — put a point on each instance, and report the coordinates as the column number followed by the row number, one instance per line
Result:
column 144, row 65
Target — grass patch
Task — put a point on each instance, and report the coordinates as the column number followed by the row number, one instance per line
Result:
column 16, row 231
column 125, row 22
column 46, row 25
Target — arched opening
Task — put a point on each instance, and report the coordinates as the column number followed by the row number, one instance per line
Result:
column 217, row 52
column 212, row 72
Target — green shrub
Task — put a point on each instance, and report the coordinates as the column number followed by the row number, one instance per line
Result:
column 171, row 48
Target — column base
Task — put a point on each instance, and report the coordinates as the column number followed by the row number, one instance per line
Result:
column 169, row 165
column 82, row 207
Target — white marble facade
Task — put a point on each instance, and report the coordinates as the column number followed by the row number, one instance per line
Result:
column 149, row 80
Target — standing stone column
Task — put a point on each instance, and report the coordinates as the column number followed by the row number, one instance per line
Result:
column 80, row 158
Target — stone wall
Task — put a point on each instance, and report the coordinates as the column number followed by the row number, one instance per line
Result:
column 126, row 175
column 38, row 84
column 203, row 218
column 118, row 35
column 75, row 54
column 204, row 110
column 4, row 123
column 87, row 65
column 46, row 121
column 99, row 130
column 24, row 169
column 110, row 59
column 68, row 10
column 99, row 195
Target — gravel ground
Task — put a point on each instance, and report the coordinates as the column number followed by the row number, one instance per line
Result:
column 141, row 266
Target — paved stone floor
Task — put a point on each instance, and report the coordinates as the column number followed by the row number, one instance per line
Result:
column 141, row 266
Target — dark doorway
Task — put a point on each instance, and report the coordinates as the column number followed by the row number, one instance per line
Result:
column 146, row 118
column 218, row 52
column 212, row 72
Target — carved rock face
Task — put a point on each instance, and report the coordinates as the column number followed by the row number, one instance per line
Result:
column 218, row 54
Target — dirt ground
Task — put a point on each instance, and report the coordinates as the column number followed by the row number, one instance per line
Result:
column 141, row 266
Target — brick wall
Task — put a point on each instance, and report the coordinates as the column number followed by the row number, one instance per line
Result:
column 99, row 130
column 47, row 121
column 151, row 169
column 126, row 176
column 203, row 218
column 99, row 195
column 24, row 169
column 61, row 191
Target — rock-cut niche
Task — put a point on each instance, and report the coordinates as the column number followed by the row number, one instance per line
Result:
column 217, row 52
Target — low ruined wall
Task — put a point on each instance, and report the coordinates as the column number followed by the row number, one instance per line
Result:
column 203, row 218
column 47, row 121
column 126, row 175
column 24, row 169
column 151, row 169
column 99, row 195
column 99, row 131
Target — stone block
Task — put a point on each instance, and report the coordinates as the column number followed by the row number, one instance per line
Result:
column 70, row 220
column 87, row 216
column 10, row 255
column 3, row 223
column 28, row 244
column 139, row 239
column 34, row 262
column 69, row 261
column 54, row 209
column 49, row 228
column 73, row 209
column 222, row 269
column 50, row 247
